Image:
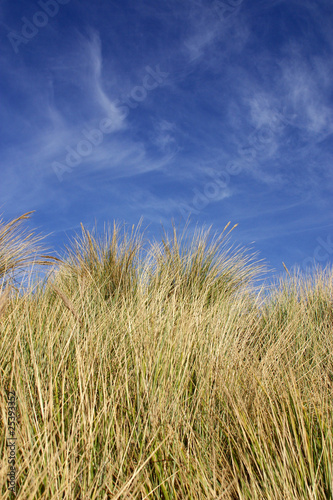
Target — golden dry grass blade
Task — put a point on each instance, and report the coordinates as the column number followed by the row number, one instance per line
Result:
column 67, row 303
column 4, row 299
column 20, row 249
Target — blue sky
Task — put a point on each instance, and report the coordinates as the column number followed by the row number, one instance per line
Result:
column 117, row 110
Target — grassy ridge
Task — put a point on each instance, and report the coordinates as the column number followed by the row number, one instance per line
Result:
column 163, row 374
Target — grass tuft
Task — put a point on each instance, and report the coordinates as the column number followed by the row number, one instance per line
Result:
column 164, row 373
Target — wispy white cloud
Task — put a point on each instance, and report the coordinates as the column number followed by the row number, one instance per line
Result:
column 164, row 136
column 207, row 29
column 307, row 90
column 88, row 58
column 52, row 130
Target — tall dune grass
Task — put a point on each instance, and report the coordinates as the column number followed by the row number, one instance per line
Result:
column 19, row 249
column 163, row 375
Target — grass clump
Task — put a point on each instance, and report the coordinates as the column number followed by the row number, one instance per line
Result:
column 165, row 375
column 19, row 249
